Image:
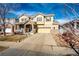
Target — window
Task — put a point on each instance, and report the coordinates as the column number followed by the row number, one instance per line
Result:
column 25, row 19
column 22, row 20
column 77, row 26
column 48, row 19
column 0, row 30
column 39, row 19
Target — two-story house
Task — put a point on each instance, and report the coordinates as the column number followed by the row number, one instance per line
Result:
column 72, row 25
column 39, row 23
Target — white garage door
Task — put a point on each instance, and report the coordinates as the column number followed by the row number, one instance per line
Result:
column 44, row 30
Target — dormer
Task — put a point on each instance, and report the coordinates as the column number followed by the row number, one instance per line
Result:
column 23, row 18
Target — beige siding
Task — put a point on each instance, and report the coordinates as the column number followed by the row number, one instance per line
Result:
column 35, row 19
column 39, row 22
column 23, row 18
column 44, row 30
column 48, row 24
column 55, row 26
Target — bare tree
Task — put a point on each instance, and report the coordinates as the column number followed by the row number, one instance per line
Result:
column 4, row 10
column 70, row 36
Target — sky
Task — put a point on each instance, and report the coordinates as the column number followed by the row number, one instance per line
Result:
column 63, row 12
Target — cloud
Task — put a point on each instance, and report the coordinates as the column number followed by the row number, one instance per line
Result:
column 22, row 11
column 62, row 21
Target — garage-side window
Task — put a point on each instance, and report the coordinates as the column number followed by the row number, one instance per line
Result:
column 48, row 19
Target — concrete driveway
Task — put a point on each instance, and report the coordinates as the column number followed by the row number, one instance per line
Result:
column 40, row 44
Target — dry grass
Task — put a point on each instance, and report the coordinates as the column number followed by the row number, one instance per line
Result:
column 13, row 38
column 2, row 48
column 58, row 38
column 62, row 41
column 71, row 38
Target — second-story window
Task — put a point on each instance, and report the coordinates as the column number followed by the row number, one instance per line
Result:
column 39, row 19
column 48, row 19
column 24, row 19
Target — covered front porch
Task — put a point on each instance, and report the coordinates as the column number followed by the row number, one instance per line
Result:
column 26, row 28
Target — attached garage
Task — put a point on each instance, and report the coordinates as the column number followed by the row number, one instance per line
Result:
column 44, row 30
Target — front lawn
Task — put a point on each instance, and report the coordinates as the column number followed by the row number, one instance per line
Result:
column 2, row 48
column 13, row 38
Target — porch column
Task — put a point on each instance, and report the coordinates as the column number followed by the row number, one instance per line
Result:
column 17, row 26
column 24, row 31
column 32, row 28
column 14, row 28
column 75, row 25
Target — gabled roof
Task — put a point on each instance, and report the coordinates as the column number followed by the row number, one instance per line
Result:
column 75, row 20
column 36, row 15
column 6, row 25
column 22, row 22
column 43, row 14
column 23, row 15
column 72, row 21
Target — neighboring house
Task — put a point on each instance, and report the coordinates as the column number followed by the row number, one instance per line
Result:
column 9, row 28
column 1, row 29
column 74, row 25
column 9, row 25
column 39, row 23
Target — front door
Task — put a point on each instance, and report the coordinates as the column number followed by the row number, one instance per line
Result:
column 28, row 28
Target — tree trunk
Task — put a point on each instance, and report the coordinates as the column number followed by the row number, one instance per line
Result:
column 4, row 33
column 74, row 49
